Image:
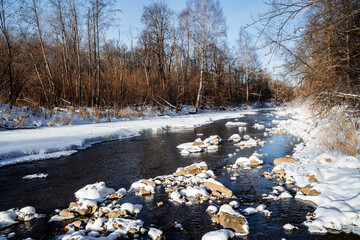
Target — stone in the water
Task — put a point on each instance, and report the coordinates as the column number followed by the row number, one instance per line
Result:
column 66, row 213
column 219, row 187
column 115, row 213
column 227, row 220
column 222, row 234
column 278, row 161
column 192, row 169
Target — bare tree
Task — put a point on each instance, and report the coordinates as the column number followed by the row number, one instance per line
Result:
column 248, row 57
column 156, row 19
column 205, row 24
column 320, row 41
column 5, row 7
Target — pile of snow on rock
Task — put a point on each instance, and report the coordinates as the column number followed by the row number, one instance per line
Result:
column 209, row 144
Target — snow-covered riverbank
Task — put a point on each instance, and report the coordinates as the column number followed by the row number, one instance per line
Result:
column 327, row 178
column 48, row 142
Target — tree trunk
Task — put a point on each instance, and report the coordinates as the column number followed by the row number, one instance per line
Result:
column 50, row 77
column 199, row 94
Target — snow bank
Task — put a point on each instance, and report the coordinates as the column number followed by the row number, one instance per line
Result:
column 48, row 142
column 328, row 179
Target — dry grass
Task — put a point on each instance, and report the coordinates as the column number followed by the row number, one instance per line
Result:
column 128, row 112
column 53, row 121
column 67, row 118
column 149, row 111
column 341, row 135
column 108, row 115
column 98, row 114
column 21, row 120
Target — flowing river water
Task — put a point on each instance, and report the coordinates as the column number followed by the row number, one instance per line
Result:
column 122, row 162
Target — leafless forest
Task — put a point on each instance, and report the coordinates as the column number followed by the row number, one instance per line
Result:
column 56, row 52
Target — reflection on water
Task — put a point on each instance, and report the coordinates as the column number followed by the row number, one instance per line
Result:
column 119, row 163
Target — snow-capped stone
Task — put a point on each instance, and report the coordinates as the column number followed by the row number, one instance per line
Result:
column 261, row 208
column 252, row 161
column 248, row 143
column 213, row 140
column 130, row 208
column 212, row 209
column 234, row 204
column 97, row 191
column 218, row 187
column 192, row 169
column 249, row 211
column 222, row 234
column 285, row 195
column 155, row 234
column 227, row 217
column 118, row 194
column 27, row 213
column 235, row 138
column 242, row 129
column 259, row 126
column 176, row 196
column 178, row 226
column 289, row 227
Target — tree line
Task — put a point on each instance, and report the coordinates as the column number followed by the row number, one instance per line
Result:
column 56, row 52
column 320, row 40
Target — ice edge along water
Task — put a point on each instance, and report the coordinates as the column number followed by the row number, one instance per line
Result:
column 51, row 142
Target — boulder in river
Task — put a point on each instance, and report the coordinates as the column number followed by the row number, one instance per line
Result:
column 66, row 213
column 192, row 169
column 229, row 218
column 216, row 186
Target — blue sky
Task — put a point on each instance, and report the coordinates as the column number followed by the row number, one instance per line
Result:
column 237, row 13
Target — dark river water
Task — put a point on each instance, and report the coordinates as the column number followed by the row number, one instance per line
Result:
column 122, row 162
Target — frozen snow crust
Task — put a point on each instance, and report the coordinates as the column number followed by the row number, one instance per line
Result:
column 48, row 142
column 328, row 179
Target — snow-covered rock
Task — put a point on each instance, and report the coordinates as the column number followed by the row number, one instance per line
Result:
column 222, row 234
column 27, row 213
column 212, row 209
column 155, row 234
column 251, row 161
column 227, row 217
column 235, row 138
column 289, row 227
column 97, row 191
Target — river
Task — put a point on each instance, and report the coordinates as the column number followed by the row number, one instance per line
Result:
column 122, row 162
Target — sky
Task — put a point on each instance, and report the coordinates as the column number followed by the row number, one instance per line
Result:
column 238, row 13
